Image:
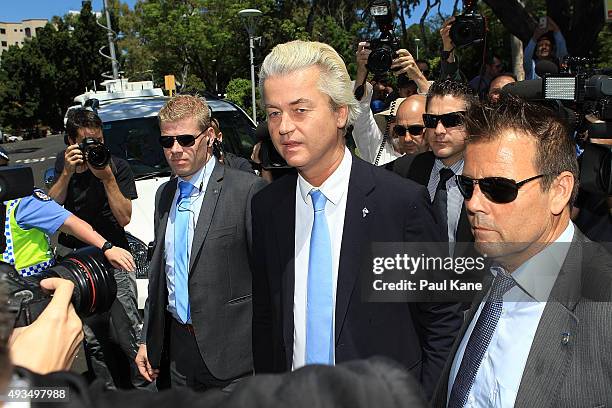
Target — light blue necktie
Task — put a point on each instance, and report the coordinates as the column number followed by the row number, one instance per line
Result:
column 319, row 303
column 181, row 251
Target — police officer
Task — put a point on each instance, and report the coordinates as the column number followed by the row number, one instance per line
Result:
column 31, row 220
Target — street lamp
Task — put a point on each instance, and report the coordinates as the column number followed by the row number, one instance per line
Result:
column 249, row 17
column 215, row 67
column 417, row 41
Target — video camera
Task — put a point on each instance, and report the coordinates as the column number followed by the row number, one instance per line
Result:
column 95, row 288
column 468, row 28
column 384, row 47
column 95, row 152
column 581, row 95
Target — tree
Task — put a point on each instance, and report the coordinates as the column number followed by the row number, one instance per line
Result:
column 580, row 21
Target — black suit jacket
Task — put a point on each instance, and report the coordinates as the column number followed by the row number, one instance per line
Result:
column 219, row 274
column 418, row 336
column 418, row 168
column 570, row 360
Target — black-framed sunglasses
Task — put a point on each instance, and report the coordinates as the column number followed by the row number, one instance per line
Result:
column 448, row 120
column 184, row 140
column 499, row 190
column 414, row 130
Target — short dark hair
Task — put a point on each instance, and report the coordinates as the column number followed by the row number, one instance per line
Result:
column 452, row 88
column 555, row 150
column 81, row 118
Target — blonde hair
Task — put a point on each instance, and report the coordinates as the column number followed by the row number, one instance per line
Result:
column 186, row 106
column 334, row 80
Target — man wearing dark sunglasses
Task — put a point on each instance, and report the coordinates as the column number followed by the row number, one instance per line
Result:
column 539, row 333
column 445, row 107
column 198, row 312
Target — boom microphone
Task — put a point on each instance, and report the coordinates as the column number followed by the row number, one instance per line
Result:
column 529, row 89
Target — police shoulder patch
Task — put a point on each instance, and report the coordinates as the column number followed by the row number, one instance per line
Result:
column 39, row 194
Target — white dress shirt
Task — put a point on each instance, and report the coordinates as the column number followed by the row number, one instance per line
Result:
column 368, row 136
column 335, row 189
column 200, row 182
column 499, row 376
column 454, row 201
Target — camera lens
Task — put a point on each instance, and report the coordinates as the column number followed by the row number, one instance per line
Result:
column 97, row 155
column 380, row 60
column 95, row 288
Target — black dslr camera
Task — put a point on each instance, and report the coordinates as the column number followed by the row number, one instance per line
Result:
column 95, row 153
column 95, row 288
column 468, row 28
column 384, row 47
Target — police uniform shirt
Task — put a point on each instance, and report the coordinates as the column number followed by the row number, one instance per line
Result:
column 86, row 198
column 41, row 212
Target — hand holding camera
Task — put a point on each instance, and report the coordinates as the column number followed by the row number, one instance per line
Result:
column 58, row 325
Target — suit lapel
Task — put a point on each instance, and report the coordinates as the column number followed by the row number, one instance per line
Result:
column 421, row 168
column 355, row 236
column 284, row 227
column 552, row 347
column 209, row 204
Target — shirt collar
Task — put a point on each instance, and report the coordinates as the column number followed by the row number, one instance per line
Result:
column 198, row 178
column 457, row 168
column 536, row 277
column 332, row 188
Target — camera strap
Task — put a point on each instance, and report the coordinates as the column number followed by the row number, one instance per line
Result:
column 389, row 118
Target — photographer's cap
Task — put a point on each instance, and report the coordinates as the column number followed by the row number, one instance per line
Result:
column 381, row 117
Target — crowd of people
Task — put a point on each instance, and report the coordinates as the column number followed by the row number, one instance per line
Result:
column 252, row 276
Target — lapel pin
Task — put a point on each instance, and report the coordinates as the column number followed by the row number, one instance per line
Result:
column 365, row 212
column 565, row 338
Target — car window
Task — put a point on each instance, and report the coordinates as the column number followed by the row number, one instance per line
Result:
column 238, row 133
column 136, row 140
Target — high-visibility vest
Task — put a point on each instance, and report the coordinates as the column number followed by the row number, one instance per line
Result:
column 29, row 251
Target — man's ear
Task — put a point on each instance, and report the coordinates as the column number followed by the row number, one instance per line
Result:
column 342, row 114
column 561, row 192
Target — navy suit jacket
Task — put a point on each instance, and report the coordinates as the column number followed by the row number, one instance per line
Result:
column 417, row 335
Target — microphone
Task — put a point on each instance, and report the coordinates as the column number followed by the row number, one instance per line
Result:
column 544, row 67
column 529, row 89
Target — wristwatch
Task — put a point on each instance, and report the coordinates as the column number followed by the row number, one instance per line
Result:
column 107, row 245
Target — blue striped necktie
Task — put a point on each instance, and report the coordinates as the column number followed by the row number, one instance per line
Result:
column 479, row 339
column 319, row 303
column 181, row 251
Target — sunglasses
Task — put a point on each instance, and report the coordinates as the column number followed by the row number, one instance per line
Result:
column 184, row 140
column 499, row 190
column 448, row 120
column 414, row 130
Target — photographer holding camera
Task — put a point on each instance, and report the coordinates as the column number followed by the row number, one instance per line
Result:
column 98, row 187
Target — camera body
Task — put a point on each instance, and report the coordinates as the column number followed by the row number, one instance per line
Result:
column 468, row 29
column 383, row 52
column 384, row 47
column 95, row 152
column 95, row 288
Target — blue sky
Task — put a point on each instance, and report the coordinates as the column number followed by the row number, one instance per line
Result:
column 17, row 10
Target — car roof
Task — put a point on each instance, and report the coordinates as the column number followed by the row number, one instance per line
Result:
column 134, row 108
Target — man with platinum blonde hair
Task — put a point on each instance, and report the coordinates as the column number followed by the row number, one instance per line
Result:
column 306, row 302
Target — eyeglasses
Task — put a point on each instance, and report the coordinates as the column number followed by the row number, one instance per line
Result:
column 499, row 190
column 414, row 130
column 448, row 120
column 184, row 140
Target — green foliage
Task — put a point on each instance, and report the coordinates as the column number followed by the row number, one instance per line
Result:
column 239, row 91
column 39, row 80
